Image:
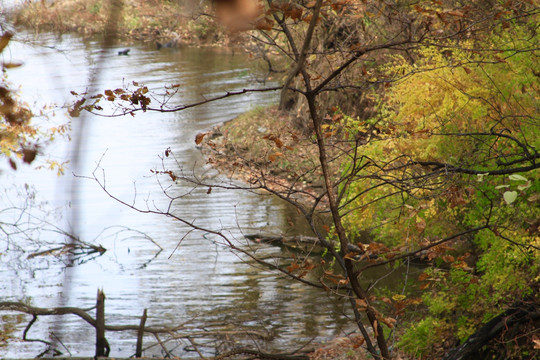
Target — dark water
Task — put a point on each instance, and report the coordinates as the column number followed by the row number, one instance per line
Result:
column 199, row 282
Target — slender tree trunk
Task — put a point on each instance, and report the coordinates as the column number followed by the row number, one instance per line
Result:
column 340, row 230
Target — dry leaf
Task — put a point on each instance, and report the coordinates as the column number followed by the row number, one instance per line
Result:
column 199, row 138
column 361, row 304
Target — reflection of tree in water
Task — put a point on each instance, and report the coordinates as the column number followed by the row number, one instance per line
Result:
column 30, row 228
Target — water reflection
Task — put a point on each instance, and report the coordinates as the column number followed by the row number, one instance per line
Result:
column 200, row 280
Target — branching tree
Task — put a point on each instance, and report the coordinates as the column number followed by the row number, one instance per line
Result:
column 424, row 116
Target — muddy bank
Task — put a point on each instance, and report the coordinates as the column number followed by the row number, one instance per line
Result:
column 264, row 148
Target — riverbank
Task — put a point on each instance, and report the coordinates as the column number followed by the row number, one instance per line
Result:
column 160, row 22
column 263, row 146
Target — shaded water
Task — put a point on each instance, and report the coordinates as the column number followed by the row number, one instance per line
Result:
column 199, row 282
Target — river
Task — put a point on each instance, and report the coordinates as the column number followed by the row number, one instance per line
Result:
column 198, row 282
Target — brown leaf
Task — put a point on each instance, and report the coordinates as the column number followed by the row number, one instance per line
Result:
column 293, row 11
column 275, row 139
column 390, row 322
column 273, row 157
column 359, row 342
column 425, row 286
column 308, row 265
column 292, row 267
column 199, row 137
column 12, row 164
column 337, row 117
column 448, row 258
column 420, row 224
column 364, row 70
column 4, row 40
column 12, row 65
column 456, row 13
column 361, row 304
column 172, row 175
column 29, row 155
column 264, row 24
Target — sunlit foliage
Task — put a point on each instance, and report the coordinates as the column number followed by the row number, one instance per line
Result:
column 453, row 150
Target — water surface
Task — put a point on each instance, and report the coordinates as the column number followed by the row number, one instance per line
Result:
column 200, row 281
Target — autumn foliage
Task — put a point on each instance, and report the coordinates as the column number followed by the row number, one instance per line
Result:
column 416, row 125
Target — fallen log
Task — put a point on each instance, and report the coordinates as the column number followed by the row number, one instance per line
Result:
column 302, row 243
column 260, row 355
column 521, row 312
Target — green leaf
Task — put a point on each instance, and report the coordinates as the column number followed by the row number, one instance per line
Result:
column 510, row 196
